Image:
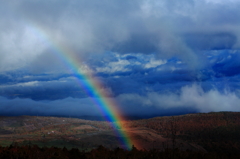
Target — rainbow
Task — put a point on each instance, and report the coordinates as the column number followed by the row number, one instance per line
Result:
column 92, row 87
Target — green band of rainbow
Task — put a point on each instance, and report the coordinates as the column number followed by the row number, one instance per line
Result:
column 107, row 106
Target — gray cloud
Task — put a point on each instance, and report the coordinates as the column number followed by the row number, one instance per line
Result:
column 125, row 26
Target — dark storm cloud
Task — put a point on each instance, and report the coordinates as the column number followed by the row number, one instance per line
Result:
column 44, row 90
column 228, row 64
column 137, row 43
column 129, row 73
column 211, row 41
column 65, row 107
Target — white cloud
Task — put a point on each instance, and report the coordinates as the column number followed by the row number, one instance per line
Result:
column 117, row 66
column 85, row 69
column 36, row 86
column 188, row 97
column 19, row 47
column 154, row 63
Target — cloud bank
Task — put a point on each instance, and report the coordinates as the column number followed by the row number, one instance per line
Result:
column 190, row 99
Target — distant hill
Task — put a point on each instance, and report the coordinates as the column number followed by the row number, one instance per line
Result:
column 204, row 132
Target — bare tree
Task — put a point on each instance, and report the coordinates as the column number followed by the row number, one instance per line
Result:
column 173, row 131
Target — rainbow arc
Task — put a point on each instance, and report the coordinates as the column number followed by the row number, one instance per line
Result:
column 91, row 86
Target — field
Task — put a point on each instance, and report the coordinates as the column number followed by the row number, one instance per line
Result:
column 210, row 132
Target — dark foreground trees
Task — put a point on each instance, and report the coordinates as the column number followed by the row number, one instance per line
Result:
column 34, row 152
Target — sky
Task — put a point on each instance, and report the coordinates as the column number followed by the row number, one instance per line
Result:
column 152, row 57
